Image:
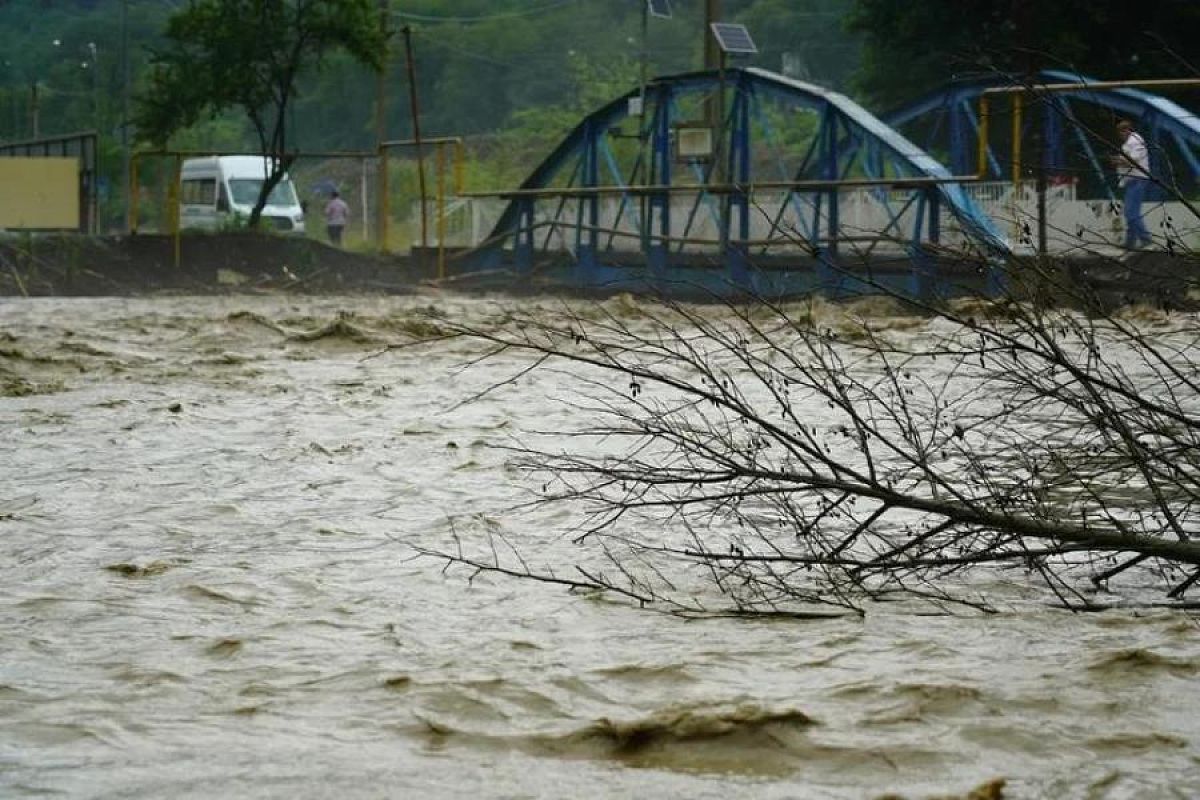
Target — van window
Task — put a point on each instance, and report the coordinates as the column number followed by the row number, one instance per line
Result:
column 198, row 191
column 245, row 192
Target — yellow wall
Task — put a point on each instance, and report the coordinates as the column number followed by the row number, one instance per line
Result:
column 40, row 193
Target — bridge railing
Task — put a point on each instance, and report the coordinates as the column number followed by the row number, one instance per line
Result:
column 870, row 219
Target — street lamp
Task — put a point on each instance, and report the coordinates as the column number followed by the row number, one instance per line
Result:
column 95, row 67
column 14, row 78
column 91, row 63
column 650, row 8
column 34, row 108
column 126, row 186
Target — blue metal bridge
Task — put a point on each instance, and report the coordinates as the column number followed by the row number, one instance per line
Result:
column 744, row 181
column 947, row 121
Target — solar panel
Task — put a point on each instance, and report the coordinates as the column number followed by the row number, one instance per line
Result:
column 659, row 8
column 733, row 38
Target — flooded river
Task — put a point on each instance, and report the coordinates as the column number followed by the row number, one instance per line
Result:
column 207, row 513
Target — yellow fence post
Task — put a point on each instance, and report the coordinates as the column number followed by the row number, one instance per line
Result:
column 441, row 203
column 985, row 113
column 173, row 205
column 459, row 165
column 133, row 193
column 384, row 209
column 1016, row 164
column 1016, row 141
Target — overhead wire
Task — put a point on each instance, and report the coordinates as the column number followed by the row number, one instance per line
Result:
column 526, row 59
column 527, row 12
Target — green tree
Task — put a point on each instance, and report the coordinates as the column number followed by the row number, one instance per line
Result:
column 249, row 54
column 913, row 45
column 804, row 39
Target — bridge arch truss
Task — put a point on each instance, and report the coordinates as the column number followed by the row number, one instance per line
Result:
column 1075, row 128
column 803, row 189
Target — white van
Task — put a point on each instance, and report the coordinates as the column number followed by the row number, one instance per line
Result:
column 217, row 190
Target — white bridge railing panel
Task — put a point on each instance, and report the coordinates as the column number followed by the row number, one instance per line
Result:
column 870, row 218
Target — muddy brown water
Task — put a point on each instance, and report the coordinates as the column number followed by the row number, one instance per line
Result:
column 207, row 507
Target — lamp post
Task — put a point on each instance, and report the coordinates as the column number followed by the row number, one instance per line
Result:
column 416, row 125
column 88, row 144
column 93, row 65
column 712, row 53
column 126, row 186
column 34, row 108
column 11, row 102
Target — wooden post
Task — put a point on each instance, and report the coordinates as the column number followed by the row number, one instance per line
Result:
column 381, row 203
column 416, row 125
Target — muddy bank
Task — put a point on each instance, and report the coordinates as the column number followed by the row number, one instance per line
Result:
column 67, row 265
column 241, row 262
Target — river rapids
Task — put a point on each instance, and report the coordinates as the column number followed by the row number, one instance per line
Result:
column 208, row 509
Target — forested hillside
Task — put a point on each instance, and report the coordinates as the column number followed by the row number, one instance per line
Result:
column 514, row 75
column 482, row 65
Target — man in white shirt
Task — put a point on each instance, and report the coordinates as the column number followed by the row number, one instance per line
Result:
column 1133, row 172
column 336, row 215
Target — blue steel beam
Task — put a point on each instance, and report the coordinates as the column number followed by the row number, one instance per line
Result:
column 903, row 151
column 1162, row 118
column 657, row 246
column 849, row 141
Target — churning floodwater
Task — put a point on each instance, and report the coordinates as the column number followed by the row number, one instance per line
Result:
column 208, row 508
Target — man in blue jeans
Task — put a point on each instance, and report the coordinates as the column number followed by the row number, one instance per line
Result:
column 1133, row 172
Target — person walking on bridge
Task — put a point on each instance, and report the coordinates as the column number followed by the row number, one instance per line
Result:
column 1133, row 173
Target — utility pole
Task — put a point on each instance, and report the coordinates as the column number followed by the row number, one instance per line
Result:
column 416, row 125
column 712, row 61
column 644, row 54
column 714, row 108
column 1022, row 17
column 381, row 202
column 33, row 108
column 712, row 53
column 127, row 187
column 94, row 52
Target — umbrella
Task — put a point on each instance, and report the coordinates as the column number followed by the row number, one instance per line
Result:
column 324, row 186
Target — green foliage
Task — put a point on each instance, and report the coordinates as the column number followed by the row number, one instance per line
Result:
column 911, row 47
column 791, row 132
column 512, row 75
column 804, row 39
column 479, row 65
column 531, row 133
column 249, row 55
column 72, row 51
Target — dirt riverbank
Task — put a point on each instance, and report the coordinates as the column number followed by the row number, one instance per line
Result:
column 66, row 265
column 241, row 262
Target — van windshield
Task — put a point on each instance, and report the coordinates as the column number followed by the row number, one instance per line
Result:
column 245, row 192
